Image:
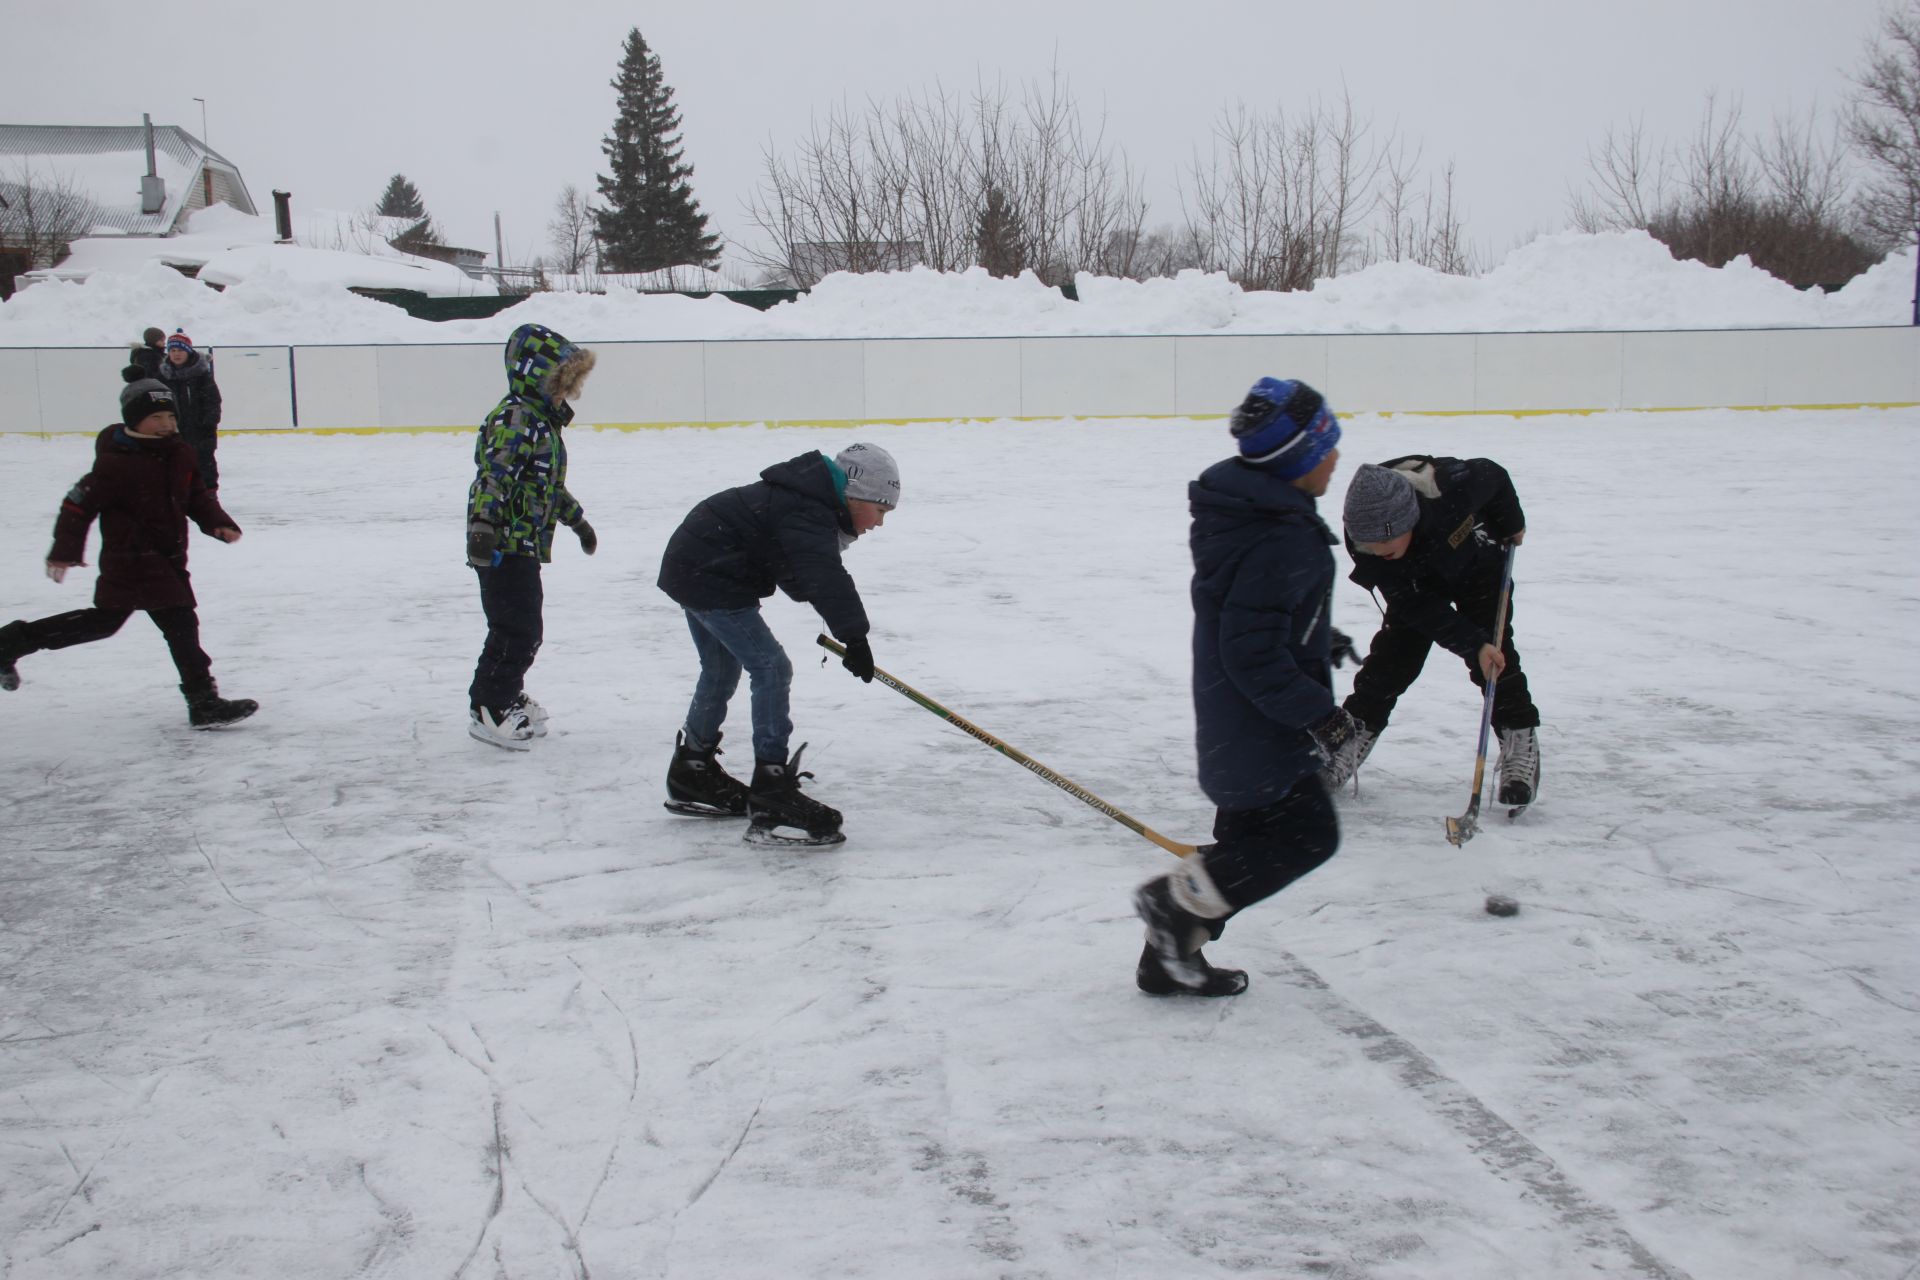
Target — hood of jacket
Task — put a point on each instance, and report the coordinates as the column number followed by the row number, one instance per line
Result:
column 533, row 354
column 811, row 475
column 1233, row 503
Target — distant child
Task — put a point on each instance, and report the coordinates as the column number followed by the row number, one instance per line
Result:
column 150, row 352
column 189, row 375
column 518, row 494
column 786, row 530
column 1262, row 684
column 1429, row 534
column 144, row 487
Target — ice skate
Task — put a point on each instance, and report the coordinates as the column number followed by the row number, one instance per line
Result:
column 10, row 674
column 1151, row 977
column 776, row 805
column 206, row 709
column 536, row 714
column 1174, row 938
column 509, row 729
column 697, row 787
column 1346, row 762
column 1519, row 770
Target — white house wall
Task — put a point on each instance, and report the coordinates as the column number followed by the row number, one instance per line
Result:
column 860, row 380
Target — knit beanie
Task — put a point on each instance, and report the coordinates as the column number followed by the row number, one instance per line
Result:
column 1381, row 505
column 179, row 342
column 153, row 337
column 872, row 474
column 1285, row 426
column 142, row 399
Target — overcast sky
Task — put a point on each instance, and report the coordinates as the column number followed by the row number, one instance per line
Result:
column 495, row 105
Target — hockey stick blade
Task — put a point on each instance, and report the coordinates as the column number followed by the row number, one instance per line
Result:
column 1019, row 757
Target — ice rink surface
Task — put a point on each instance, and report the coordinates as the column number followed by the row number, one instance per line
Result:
column 341, row 993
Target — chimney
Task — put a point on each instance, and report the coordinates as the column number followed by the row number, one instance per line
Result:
column 153, row 188
column 283, row 217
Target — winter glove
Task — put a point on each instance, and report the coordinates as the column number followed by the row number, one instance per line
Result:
column 1332, row 732
column 1343, row 650
column 859, row 659
column 483, row 544
column 589, row 540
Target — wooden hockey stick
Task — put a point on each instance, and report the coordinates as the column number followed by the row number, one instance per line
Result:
column 1019, row 757
column 1462, row 829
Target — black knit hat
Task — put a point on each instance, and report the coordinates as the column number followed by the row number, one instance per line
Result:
column 141, row 400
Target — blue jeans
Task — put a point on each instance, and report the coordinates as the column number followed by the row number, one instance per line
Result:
column 730, row 640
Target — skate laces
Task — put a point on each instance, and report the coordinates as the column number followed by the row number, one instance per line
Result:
column 1519, row 751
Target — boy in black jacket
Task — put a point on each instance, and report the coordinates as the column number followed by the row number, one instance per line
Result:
column 786, row 531
column 1430, row 535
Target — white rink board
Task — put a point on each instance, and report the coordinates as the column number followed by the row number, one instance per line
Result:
column 893, row 380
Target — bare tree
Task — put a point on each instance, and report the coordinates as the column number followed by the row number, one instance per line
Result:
column 1629, row 182
column 1419, row 227
column 1279, row 202
column 1884, row 123
column 571, row 231
column 43, row 213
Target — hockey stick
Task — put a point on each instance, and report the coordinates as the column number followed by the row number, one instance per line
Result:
column 1019, row 757
column 1462, row 829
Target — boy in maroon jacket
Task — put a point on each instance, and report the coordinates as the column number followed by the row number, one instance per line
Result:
column 144, row 486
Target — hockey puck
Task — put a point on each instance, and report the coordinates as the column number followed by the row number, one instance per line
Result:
column 1499, row 904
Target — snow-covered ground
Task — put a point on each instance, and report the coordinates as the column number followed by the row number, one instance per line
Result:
column 1568, row 281
column 340, row 992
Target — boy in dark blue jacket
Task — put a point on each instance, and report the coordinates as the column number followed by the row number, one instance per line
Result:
column 1262, row 684
column 1429, row 534
column 785, row 531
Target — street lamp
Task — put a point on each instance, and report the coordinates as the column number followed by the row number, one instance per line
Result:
column 203, row 119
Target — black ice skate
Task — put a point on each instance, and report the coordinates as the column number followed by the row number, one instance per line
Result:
column 1172, row 963
column 1151, row 977
column 1519, row 771
column 775, row 804
column 10, row 674
column 697, row 787
column 206, row 709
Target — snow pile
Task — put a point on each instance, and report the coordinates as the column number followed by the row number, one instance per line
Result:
column 1571, row 281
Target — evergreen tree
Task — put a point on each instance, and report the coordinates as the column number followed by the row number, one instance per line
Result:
column 997, row 236
column 402, row 199
column 650, row 219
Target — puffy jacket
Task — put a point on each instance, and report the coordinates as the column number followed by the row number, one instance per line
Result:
column 786, row 530
column 1466, row 505
column 1262, row 591
column 196, row 397
column 520, row 460
column 143, row 492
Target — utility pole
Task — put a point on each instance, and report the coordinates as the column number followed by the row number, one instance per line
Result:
column 203, row 120
column 499, row 249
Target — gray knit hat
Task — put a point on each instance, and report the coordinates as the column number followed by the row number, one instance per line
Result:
column 1381, row 505
column 872, row 474
column 142, row 398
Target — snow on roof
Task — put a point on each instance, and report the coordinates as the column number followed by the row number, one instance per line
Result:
column 106, row 162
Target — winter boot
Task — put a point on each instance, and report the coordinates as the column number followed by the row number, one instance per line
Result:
column 10, row 651
column 775, row 801
column 1346, row 762
column 697, row 787
column 1172, row 962
column 536, row 714
column 206, row 709
column 1151, row 977
column 1519, row 767
column 509, row 729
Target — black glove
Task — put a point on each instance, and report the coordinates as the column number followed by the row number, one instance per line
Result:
column 1332, row 732
column 1343, row 650
column 859, row 659
column 589, row 540
column 483, row 541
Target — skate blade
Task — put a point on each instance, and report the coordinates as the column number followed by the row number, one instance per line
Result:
column 694, row 809
column 1516, row 811
column 771, row 837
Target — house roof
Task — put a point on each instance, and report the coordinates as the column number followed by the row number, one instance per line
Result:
column 106, row 162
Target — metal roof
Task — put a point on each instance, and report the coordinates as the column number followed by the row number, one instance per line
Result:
column 107, row 162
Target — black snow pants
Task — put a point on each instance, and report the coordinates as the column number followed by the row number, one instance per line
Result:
column 179, row 626
column 1399, row 651
column 511, row 597
column 1259, row 852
